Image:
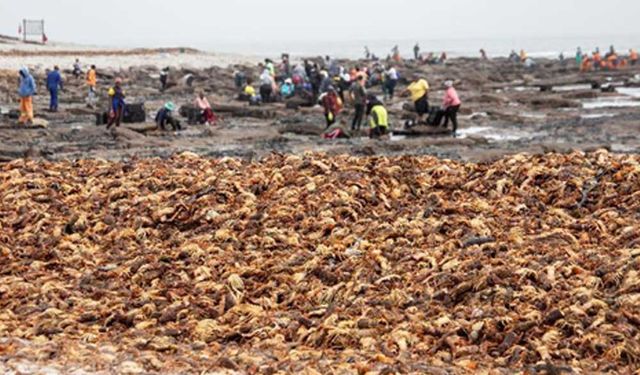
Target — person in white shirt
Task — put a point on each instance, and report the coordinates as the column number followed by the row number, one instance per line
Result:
column 391, row 81
column 266, row 86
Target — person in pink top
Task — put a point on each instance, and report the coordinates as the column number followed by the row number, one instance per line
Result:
column 450, row 106
column 205, row 109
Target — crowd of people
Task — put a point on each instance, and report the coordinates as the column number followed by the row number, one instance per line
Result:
column 586, row 62
column 333, row 86
column 326, row 83
column 323, row 81
column 116, row 94
column 610, row 61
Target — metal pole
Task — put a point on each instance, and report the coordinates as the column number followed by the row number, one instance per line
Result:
column 24, row 30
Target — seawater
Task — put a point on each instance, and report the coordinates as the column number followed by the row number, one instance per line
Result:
column 548, row 47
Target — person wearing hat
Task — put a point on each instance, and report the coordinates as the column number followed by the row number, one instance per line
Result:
column 331, row 104
column 379, row 117
column 450, row 106
column 268, row 64
column 116, row 95
column 287, row 89
column 165, row 116
column 418, row 90
column 26, row 90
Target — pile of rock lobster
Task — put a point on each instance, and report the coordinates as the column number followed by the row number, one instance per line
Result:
column 316, row 264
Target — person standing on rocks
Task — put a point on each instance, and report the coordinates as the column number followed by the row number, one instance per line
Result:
column 396, row 53
column 77, row 69
column 419, row 93
column 579, row 57
column 633, row 56
column 326, row 82
column 92, row 82
column 416, row 51
column 597, row 59
column 450, row 106
column 164, row 78
column 266, row 84
column 54, row 83
column 117, row 96
column 359, row 98
column 26, row 91
column 285, row 66
column 391, row 81
column 268, row 63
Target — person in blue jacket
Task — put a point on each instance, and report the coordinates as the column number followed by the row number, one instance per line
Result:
column 287, row 89
column 165, row 116
column 117, row 96
column 54, row 83
column 26, row 90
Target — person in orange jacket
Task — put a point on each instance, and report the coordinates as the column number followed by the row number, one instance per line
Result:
column 523, row 56
column 586, row 65
column 92, row 82
column 597, row 59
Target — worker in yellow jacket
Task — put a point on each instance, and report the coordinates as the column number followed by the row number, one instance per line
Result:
column 379, row 118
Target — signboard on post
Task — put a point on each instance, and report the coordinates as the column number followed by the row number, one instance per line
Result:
column 33, row 28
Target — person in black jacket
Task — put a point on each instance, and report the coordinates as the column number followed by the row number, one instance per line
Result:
column 164, row 78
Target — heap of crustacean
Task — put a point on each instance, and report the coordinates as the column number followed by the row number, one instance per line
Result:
column 322, row 265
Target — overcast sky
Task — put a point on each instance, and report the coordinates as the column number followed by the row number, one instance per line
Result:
column 205, row 23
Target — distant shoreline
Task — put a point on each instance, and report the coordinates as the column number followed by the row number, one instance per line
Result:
column 15, row 54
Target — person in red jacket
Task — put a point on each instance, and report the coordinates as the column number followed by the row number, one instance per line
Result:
column 331, row 104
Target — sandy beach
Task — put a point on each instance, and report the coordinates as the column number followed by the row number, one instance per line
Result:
column 39, row 57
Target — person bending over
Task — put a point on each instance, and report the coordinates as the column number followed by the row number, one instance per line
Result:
column 332, row 105
column 165, row 116
column 379, row 118
column 418, row 90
